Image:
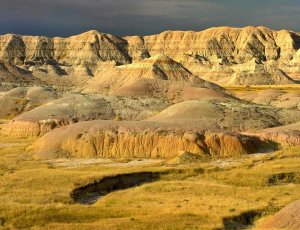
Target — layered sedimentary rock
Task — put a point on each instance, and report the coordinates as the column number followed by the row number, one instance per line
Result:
column 159, row 67
column 213, row 112
column 12, row 49
column 204, row 53
column 89, row 47
column 223, row 44
column 141, row 139
column 207, row 53
column 63, row 111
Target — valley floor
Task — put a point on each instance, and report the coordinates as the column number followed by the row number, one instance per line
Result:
column 215, row 194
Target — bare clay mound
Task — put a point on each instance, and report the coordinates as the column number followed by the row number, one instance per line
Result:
column 77, row 107
column 287, row 135
column 273, row 97
column 22, row 99
column 173, row 91
column 287, row 218
column 56, row 113
column 225, row 114
column 138, row 139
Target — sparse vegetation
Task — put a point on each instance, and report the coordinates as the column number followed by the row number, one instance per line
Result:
column 202, row 195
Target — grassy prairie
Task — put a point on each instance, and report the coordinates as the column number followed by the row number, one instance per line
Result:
column 36, row 194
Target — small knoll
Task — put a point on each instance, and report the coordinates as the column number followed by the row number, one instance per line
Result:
column 137, row 139
column 274, row 97
column 172, row 91
column 287, row 218
column 288, row 135
column 228, row 114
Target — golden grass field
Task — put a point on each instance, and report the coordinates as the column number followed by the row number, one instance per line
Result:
column 36, row 194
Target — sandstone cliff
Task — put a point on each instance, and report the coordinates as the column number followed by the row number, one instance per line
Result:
column 203, row 53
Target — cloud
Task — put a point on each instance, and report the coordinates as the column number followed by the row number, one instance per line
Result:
column 65, row 17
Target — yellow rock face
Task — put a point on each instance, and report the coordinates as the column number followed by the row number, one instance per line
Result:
column 207, row 53
column 137, row 139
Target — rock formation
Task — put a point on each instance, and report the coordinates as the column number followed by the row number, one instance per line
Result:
column 110, row 78
column 137, row 139
column 10, row 74
column 274, row 54
column 225, row 114
column 158, row 80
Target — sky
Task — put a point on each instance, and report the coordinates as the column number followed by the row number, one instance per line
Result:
column 142, row 17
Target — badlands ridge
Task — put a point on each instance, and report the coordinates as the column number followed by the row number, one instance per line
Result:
column 99, row 95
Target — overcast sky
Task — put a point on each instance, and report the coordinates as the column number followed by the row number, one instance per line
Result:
column 127, row 17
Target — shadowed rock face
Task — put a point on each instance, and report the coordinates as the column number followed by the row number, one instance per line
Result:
column 141, row 139
column 225, row 50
